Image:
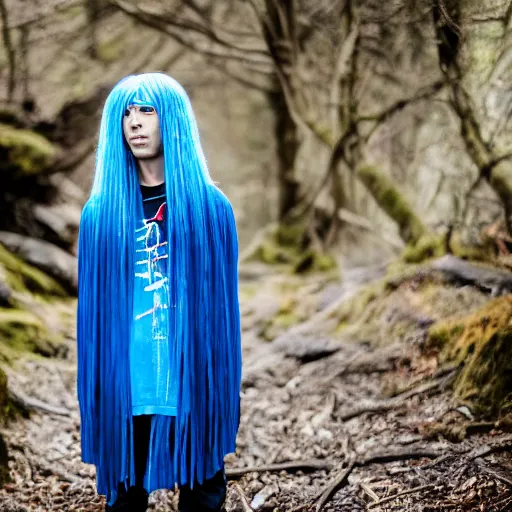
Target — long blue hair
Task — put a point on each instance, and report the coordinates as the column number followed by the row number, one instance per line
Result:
column 204, row 319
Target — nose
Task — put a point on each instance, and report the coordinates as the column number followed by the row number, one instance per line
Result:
column 134, row 120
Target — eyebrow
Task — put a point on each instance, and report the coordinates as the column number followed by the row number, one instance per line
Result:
column 140, row 105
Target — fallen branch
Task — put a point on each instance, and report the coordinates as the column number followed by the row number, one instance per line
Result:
column 384, row 457
column 304, row 465
column 396, row 456
column 19, row 398
column 484, row 451
column 414, row 490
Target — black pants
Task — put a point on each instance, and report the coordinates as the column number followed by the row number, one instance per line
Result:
column 207, row 497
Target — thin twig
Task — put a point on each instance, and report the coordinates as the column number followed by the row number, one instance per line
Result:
column 353, row 463
column 337, row 483
column 400, row 494
column 482, row 465
column 394, row 403
column 308, row 465
column 243, row 499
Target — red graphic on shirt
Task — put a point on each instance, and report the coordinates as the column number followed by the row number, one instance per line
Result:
column 159, row 216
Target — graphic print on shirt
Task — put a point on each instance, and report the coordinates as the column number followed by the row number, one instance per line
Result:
column 152, row 269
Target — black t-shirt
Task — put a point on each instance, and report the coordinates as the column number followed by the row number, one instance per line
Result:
column 152, row 198
column 155, row 220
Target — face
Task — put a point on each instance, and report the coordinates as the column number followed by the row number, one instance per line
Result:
column 141, row 129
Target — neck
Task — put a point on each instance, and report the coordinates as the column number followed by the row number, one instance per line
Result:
column 151, row 171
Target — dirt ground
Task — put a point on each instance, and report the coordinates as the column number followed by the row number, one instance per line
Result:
column 327, row 424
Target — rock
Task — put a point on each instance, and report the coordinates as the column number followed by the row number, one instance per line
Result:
column 261, row 498
column 62, row 220
column 307, row 430
column 307, row 348
column 486, row 277
column 47, row 257
column 324, row 434
column 20, row 277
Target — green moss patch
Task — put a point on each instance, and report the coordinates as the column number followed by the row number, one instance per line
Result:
column 23, row 331
column 426, row 247
column 432, row 245
column 288, row 245
column 314, row 261
column 482, row 343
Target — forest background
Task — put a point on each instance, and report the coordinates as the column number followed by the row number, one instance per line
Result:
column 359, row 142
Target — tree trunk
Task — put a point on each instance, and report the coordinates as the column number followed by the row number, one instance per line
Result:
column 394, row 203
column 9, row 48
column 286, row 136
column 93, row 9
column 497, row 173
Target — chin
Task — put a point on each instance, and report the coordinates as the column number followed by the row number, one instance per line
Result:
column 144, row 155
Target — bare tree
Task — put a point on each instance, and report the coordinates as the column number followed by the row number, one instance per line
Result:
column 9, row 49
column 494, row 169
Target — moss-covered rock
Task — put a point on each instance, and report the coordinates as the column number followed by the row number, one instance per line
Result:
column 24, row 152
column 432, row 245
column 314, row 261
column 402, row 305
column 427, row 246
column 482, row 343
column 23, row 331
column 21, row 277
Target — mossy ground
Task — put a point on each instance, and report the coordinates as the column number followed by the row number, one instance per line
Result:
column 32, row 324
column 287, row 246
column 279, row 302
column 22, row 331
column 399, row 305
column 482, row 343
column 456, row 325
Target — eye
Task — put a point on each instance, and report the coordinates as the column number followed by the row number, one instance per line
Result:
column 126, row 112
column 147, row 109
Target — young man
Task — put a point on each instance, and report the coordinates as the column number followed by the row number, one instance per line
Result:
column 158, row 321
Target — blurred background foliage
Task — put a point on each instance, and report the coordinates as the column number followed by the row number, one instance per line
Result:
column 360, row 125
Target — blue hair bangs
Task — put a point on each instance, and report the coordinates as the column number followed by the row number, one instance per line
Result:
column 204, row 320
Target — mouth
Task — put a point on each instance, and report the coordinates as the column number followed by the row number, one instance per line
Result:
column 138, row 139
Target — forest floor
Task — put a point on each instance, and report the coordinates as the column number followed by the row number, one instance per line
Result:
column 328, row 422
